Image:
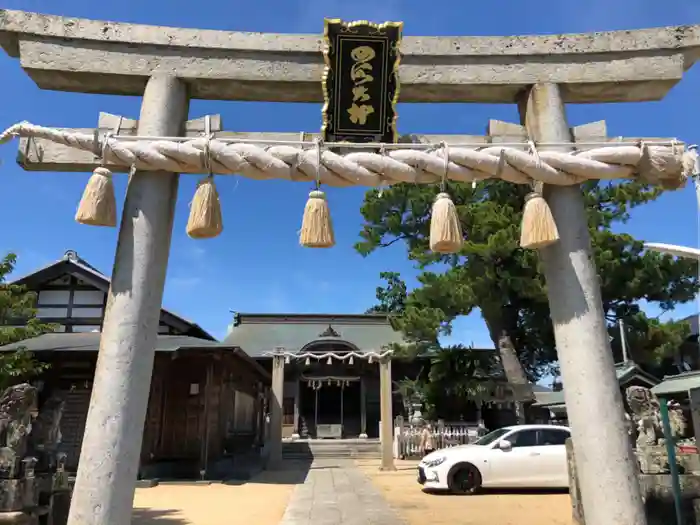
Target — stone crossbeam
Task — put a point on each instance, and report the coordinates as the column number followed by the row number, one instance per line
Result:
column 44, row 155
column 90, row 56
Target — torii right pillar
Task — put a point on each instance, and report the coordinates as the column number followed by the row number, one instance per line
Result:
column 605, row 463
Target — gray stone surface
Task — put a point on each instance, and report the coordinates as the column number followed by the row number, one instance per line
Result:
column 73, row 54
column 337, row 493
column 606, row 468
column 111, row 448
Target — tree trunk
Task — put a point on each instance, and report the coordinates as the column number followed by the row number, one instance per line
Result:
column 513, row 369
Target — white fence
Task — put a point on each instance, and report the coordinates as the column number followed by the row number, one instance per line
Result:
column 407, row 438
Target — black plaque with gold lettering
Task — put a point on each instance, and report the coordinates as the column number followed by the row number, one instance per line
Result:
column 361, row 81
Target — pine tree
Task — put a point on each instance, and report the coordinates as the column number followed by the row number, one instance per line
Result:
column 494, row 275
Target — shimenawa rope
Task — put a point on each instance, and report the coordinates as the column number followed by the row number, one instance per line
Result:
column 668, row 166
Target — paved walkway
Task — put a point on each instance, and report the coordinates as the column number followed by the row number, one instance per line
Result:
column 337, row 493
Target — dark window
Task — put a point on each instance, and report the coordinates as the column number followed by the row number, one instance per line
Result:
column 553, row 436
column 524, row 438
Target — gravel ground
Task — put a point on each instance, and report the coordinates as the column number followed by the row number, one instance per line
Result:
column 261, row 501
column 403, row 493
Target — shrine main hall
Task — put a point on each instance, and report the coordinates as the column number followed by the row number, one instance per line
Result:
column 323, row 397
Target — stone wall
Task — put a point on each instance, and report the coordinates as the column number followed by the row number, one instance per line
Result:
column 656, row 485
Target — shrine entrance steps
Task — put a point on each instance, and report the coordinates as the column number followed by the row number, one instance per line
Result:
column 309, row 449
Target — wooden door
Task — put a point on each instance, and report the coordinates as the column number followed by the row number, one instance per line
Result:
column 183, row 418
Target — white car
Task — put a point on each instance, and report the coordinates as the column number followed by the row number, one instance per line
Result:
column 522, row 456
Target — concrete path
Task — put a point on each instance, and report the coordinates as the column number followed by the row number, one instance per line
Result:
column 337, row 493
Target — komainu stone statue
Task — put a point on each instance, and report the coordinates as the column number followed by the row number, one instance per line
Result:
column 46, row 434
column 644, row 407
column 16, row 405
column 33, row 483
column 646, row 417
column 45, row 437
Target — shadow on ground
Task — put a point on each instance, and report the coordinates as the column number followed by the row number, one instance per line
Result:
column 156, row 517
column 504, row 492
column 290, row 472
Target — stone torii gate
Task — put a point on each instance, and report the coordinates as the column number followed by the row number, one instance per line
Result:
column 169, row 66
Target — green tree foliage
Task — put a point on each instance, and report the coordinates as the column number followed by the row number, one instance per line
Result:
column 505, row 283
column 17, row 322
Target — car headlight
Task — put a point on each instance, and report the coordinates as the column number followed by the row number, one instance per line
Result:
column 434, row 462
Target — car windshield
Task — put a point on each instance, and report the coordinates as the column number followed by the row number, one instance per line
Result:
column 492, row 436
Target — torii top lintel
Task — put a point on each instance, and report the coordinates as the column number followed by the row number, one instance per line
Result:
column 71, row 54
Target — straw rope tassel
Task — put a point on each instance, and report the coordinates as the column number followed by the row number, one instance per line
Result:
column 538, row 228
column 98, row 206
column 316, row 224
column 445, row 227
column 205, row 220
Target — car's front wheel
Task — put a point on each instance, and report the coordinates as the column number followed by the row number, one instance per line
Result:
column 464, row 478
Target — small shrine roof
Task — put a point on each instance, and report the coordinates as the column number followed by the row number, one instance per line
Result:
column 678, row 384
column 625, row 372
column 258, row 334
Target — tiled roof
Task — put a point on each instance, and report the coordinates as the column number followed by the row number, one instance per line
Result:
column 90, row 342
column 680, row 383
column 258, row 334
column 623, row 371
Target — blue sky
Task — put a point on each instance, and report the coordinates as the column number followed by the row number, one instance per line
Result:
column 257, row 264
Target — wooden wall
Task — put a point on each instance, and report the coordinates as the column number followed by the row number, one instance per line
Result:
column 177, row 419
column 192, row 408
column 70, row 376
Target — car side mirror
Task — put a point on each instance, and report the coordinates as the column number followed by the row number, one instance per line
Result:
column 505, row 445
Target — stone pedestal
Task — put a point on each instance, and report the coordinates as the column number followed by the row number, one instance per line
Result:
column 654, row 460
column 12, row 495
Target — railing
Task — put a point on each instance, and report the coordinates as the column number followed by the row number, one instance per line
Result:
column 407, row 438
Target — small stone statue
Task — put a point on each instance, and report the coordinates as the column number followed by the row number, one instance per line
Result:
column 33, row 481
column 646, row 417
column 46, row 434
column 677, row 419
column 16, row 404
column 645, row 414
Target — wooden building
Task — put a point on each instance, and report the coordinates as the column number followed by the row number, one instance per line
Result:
column 321, row 399
column 334, row 398
column 207, row 398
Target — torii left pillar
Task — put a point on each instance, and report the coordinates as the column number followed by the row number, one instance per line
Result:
column 111, row 449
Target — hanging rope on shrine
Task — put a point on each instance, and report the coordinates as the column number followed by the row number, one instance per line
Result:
column 350, row 357
column 667, row 164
